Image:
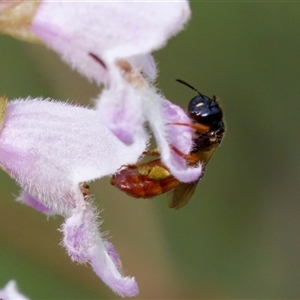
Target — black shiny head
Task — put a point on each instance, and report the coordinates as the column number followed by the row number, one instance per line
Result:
column 203, row 109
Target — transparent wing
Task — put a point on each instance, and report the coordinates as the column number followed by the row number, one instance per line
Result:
column 182, row 194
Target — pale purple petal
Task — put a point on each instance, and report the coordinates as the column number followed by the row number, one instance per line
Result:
column 110, row 30
column 80, row 231
column 50, row 147
column 105, row 268
column 179, row 136
column 120, row 108
column 37, row 205
column 160, row 116
column 84, row 243
column 113, row 254
column 11, row 292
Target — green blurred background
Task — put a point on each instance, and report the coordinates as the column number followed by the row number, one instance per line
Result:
column 239, row 236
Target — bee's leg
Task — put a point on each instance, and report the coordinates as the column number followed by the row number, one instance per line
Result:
column 190, row 158
column 152, row 152
column 200, row 128
column 85, row 190
column 129, row 166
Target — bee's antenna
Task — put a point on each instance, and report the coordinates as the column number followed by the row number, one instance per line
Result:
column 191, row 87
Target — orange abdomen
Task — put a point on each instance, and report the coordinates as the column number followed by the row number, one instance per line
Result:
column 137, row 185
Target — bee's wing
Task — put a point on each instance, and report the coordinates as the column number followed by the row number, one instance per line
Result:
column 182, row 194
column 184, row 191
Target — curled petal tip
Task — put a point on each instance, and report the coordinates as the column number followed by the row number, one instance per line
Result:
column 107, row 270
column 84, row 243
column 188, row 174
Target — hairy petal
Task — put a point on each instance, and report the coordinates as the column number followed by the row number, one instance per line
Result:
column 179, row 136
column 120, row 107
column 105, row 268
column 84, row 243
column 37, row 205
column 50, row 147
column 110, row 30
column 161, row 115
column 80, row 230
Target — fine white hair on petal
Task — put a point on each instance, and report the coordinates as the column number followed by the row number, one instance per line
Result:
column 11, row 292
column 80, row 230
column 37, row 205
column 50, row 147
column 110, row 30
column 83, row 243
column 144, row 63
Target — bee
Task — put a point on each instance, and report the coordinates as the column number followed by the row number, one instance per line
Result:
column 147, row 180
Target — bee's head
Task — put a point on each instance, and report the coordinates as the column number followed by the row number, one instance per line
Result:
column 205, row 110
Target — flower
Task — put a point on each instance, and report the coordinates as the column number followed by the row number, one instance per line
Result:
column 50, row 148
column 10, row 292
column 111, row 44
column 53, row 149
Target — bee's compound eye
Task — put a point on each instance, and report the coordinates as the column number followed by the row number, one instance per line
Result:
column 204, row 110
